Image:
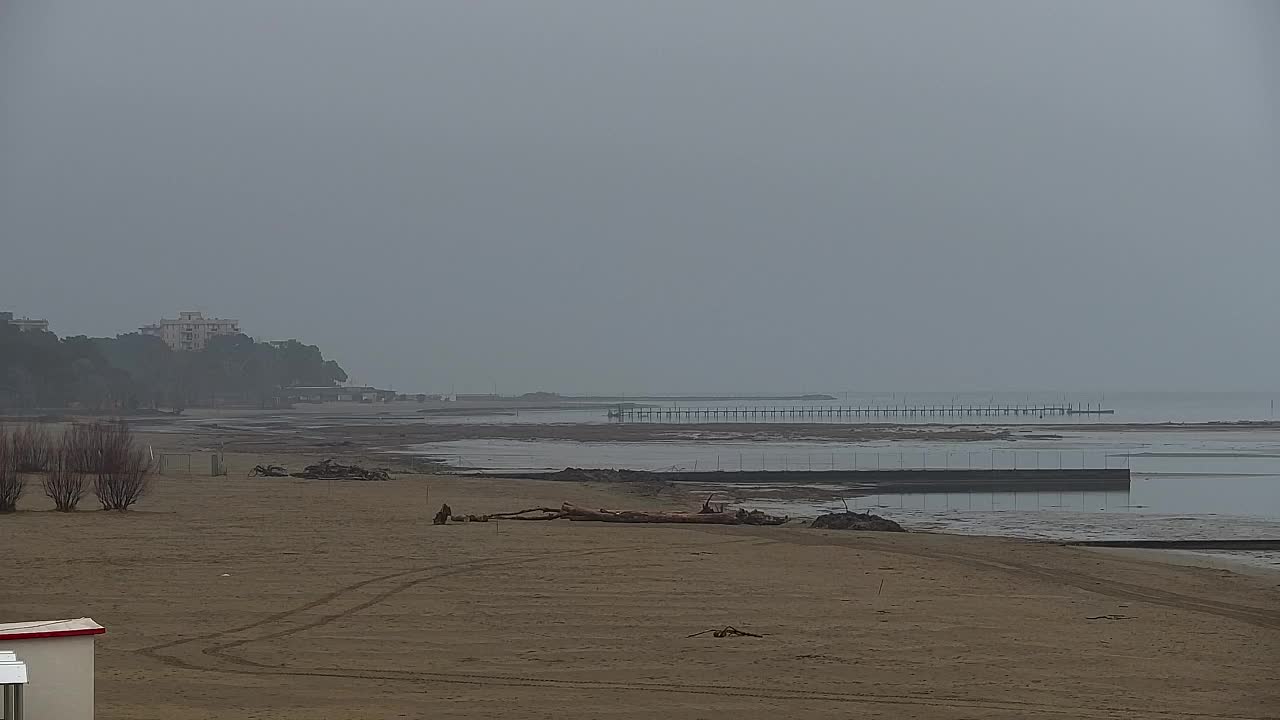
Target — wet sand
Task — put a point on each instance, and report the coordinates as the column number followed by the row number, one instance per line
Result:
column 284, row 598
column 241, row 433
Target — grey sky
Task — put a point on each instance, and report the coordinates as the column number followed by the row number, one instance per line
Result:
column 661, row 195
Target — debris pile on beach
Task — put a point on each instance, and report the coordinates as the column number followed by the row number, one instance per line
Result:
column 330, row 470
column 269, row 471
column 573, row 512
column 855, row 521
column 584, row 475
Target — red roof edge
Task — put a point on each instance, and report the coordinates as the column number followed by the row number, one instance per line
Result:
column 51, row 634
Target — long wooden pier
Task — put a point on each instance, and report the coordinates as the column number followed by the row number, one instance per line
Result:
column 750, row 412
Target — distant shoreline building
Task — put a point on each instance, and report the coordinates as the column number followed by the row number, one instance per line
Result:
column 24, row 323
column 190, row 330
column 339, row 393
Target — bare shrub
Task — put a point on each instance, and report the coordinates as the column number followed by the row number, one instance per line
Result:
column 97, row 448
column 73, row 448
column 32, row 448
column 12, row 483
column 120, row 468
column 64, row 482
column 126, row 482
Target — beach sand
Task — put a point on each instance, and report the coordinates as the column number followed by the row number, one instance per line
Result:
column 282, row 598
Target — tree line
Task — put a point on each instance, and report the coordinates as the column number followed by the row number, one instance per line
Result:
column 135, row 371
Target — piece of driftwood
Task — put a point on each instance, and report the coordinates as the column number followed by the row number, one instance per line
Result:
column 726, row 631
column 708, row 508
column 573, row 512
column 269, row 471
column 741, row 517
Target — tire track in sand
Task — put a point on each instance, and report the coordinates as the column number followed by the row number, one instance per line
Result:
column 212, row 653
column 341, row 597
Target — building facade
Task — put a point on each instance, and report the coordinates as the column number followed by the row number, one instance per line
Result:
column 24, row 323
column 191, row 330
column 339, row 393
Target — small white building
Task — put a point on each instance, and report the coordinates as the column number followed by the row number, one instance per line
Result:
column 59, row 665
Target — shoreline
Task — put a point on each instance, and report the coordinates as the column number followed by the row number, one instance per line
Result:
column 1199, row 559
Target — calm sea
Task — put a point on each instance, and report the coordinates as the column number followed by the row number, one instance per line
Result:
column 1221, row 483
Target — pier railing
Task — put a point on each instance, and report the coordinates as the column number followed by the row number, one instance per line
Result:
column 798, row 412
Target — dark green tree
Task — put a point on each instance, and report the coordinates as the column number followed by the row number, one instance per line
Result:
column 37, row 369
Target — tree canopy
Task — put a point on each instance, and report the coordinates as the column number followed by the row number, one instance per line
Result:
column 40, row 370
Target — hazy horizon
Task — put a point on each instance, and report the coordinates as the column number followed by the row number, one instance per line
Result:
column 664, row 197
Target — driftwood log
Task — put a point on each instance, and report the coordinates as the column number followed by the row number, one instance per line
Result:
column 726, row 631
column 573, row 512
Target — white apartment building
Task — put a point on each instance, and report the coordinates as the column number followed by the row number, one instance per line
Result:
column 191, row 330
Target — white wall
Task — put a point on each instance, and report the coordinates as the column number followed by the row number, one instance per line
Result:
column 60, row 676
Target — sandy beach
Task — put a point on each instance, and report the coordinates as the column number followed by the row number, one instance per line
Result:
column 285, row 598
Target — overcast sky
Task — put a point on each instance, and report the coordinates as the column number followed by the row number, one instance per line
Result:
column 658, row 195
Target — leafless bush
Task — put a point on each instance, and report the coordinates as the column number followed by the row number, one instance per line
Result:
column 12, row 483
column 126, row 483
column 75, row 439
column 120, row 468
column 64, row 481
column 32, row 448
column 97, row 448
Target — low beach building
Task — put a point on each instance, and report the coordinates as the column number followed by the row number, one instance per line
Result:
column 58, row 659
